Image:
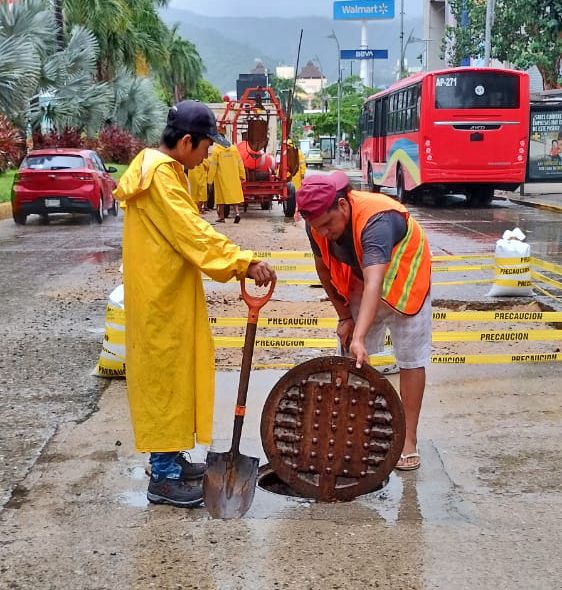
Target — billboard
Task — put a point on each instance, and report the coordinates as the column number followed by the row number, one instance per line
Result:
column 364, row 54
column 363, row 9
column 545, row 143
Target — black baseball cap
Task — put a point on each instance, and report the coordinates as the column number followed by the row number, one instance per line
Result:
column 193, row 116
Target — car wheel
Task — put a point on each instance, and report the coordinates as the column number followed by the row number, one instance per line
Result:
column 114, row 210
column 290, row 203
column 98, row 214
column 20, row 218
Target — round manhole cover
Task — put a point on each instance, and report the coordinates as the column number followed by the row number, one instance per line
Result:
column 332, row 431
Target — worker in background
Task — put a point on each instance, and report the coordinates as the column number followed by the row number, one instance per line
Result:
column 226, row 172
column 170, row 352
column 297, row 178
column 197, row 178
column 374, row 262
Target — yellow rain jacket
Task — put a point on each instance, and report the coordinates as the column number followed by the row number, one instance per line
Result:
column 298, row 177
column 198, row 181
column 226, row 170
column 170, row 353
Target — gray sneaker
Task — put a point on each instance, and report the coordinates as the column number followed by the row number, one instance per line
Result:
column 175, row 492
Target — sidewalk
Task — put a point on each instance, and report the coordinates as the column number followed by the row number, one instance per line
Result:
column 5, row 210
column 549, row 201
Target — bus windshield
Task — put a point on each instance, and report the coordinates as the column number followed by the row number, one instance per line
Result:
column 476, row 90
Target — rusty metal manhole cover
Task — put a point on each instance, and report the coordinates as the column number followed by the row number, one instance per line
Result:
column 332, row 431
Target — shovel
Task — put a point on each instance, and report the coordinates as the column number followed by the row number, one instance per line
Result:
column 230, row 480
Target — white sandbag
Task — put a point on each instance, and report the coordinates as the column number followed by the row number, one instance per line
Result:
column 112, row 357
column 513, row 266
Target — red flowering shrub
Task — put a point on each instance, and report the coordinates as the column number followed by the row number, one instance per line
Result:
column 113, row 143
column 12, row 144
column 69, row 138
column 118, row 146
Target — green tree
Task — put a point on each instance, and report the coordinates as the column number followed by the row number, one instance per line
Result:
column 525, row 33
column 206, row 92
column 353, row 95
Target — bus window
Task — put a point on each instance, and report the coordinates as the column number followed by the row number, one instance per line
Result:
column 378, row 118
column 476, row 90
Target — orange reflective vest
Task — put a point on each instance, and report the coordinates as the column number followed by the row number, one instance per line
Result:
column 408, row 275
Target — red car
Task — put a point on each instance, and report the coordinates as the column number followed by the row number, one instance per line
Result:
column 63, row 180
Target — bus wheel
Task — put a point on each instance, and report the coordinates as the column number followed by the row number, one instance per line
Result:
column 374, row 188
column 401, row 192
column 480, row 196
column 485, row 195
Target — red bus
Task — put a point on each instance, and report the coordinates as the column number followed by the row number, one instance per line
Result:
column 462, row 130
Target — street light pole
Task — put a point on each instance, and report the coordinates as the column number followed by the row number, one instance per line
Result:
column 490, row 13
column 338, row 133
column 402, row 48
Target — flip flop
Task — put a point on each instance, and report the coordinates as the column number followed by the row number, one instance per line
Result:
column 409, row 466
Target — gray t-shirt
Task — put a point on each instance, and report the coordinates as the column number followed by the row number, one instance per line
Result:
column 381, row 233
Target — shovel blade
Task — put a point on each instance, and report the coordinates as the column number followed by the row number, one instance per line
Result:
column 229, row 484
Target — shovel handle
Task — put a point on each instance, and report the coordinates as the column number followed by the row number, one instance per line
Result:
column 255, row 303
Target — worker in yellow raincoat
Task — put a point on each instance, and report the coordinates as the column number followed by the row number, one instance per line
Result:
column 299, row 176
column 197, row 179
column 170, row 354
column 226, row 171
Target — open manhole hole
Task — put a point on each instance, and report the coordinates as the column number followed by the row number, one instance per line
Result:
column 269, row 481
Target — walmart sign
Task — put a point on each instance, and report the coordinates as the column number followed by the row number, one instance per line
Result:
column 363, row 9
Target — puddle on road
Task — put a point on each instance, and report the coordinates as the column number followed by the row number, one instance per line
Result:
column 134, row 499
column 426, row 496
column 102, row 256
column 137, row 473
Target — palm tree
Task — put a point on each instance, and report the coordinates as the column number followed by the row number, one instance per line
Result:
column 59, row 22
column 184, row 68
column 25, row 31
column 125, row 30
column 136, row 106
column 67, row 95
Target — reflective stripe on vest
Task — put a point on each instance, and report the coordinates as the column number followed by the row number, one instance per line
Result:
column 408, row 275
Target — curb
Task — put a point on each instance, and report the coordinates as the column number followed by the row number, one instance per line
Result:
column 536, row 205
column 5, row 210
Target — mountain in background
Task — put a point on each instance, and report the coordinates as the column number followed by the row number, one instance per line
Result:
column 230, row 46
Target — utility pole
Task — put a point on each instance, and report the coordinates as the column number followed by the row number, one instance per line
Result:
column 338, row 133
column 490, row 15
column 402, row 48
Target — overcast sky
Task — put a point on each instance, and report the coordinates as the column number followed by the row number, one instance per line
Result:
column 288, row 8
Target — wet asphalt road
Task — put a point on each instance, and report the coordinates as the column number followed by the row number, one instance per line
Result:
column 54, row 287
column 489, row 478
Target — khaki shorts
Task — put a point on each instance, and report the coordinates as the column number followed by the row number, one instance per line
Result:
column 411, row 335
